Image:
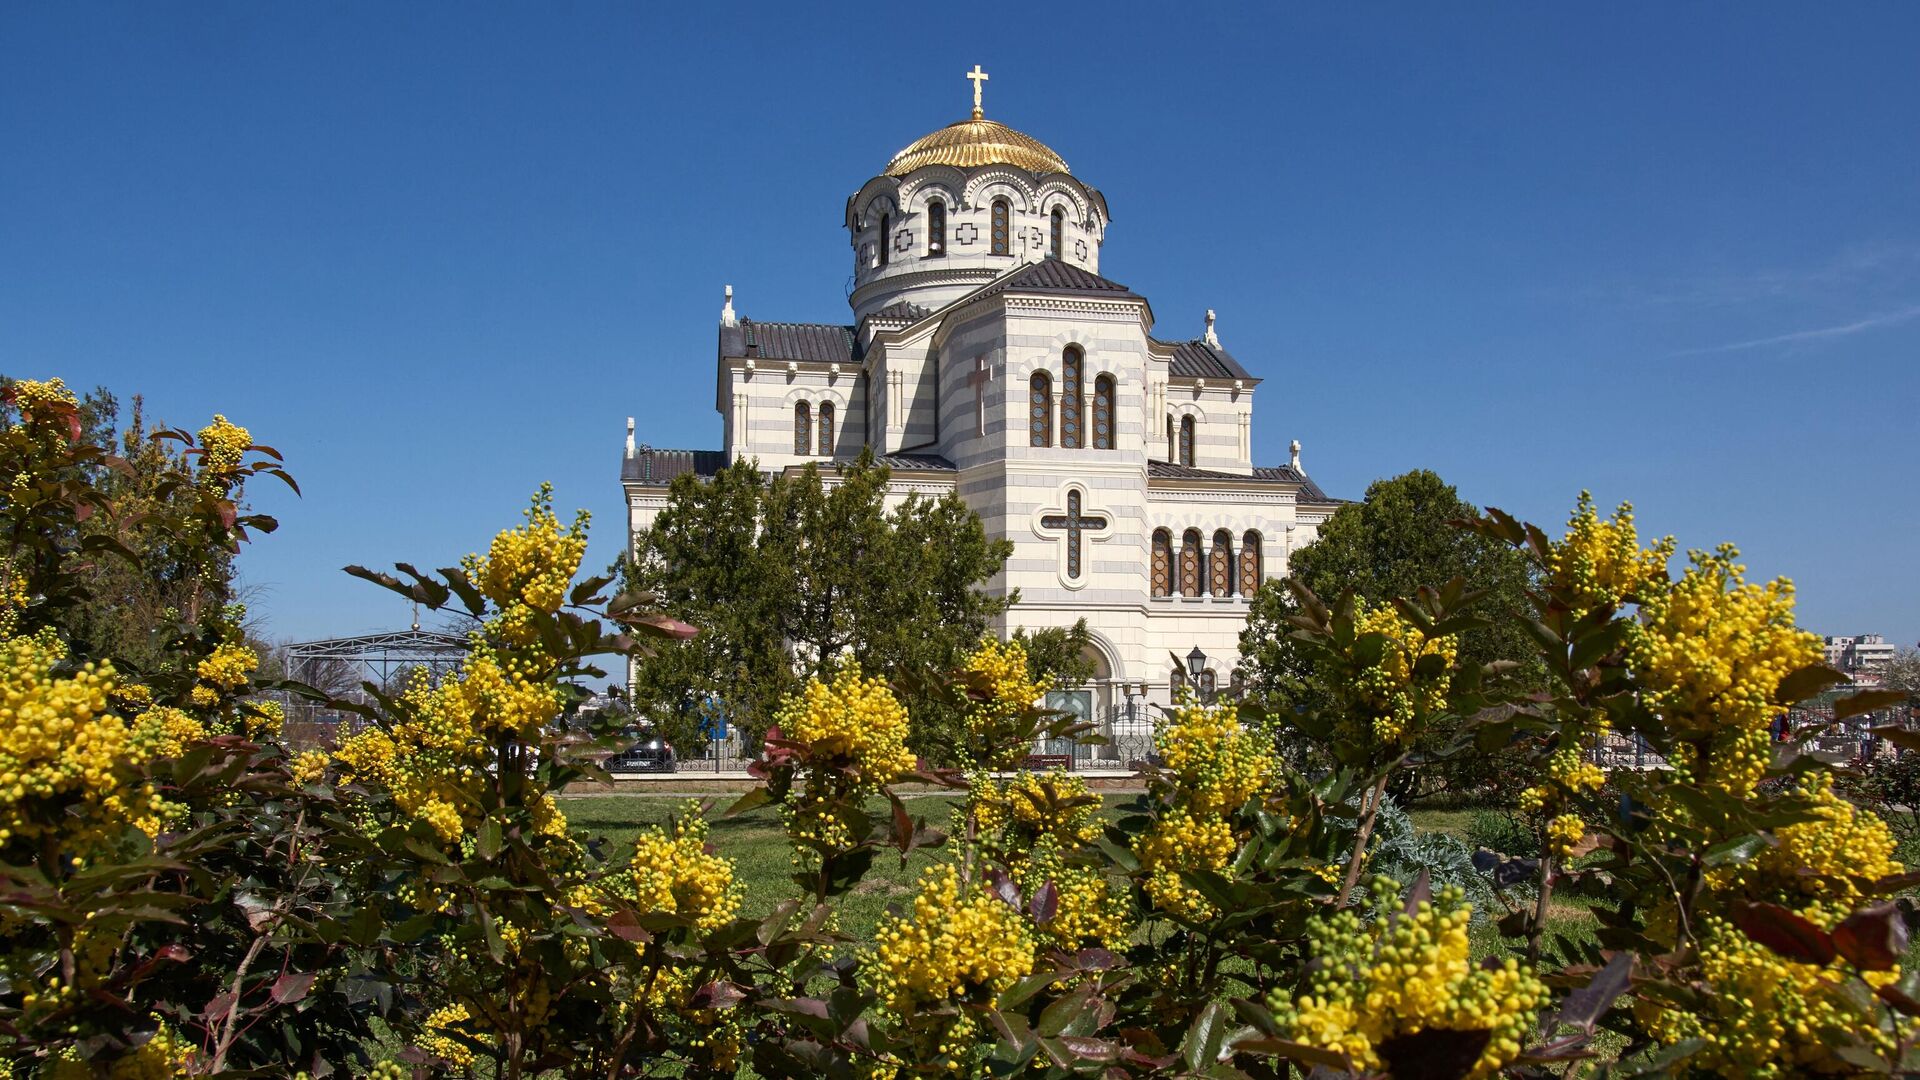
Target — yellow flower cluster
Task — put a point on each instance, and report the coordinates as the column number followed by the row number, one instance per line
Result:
column 59, row 747
column 1569, row 775
column 957, row 945
column 1406, row 973
column 1000, row 724
column 713, row 1034
column 1600, row 564
column 309, row 766
column 1031, row 805
column 166, row 731
column 1390, row 694
column 853, row 719
column 1822, row 867
column 529, row 569
column 165, row 1056
column 1767, row 1016
column 263, row 719
column 229, row 666
column 438, row 1039
column 1712, row 649
column 1216, row 762
column 1565, row 832
column 33, row 396
column 1182, row 841
column 224, row 444
column 674, row 873
column 1089, row 909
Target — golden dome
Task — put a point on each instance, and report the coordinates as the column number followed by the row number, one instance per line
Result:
column 970, row 143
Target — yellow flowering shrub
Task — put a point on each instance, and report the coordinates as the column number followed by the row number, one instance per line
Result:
column 1215, row 761
column 167, row 730
column 529, row 568
column 1405, row 973
column 60, row 746
column 853, row 718
column 1181, row 840
column 674, row 873
column 1031, row 805
column 958, row 943
column 1601, row 563
column 165, row 1056
column 1713, row 648
column 440, row 1025
column 1766, row 1016
column 1389, row 694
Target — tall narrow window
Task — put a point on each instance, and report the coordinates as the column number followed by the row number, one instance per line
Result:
column 1072, row 413
column 1002, row 227
column 936, row 228
column 1190, row 563
column 1170, row 453
column 1103, row 413
column 826, row 428
column 802, row 428
column 1054, row 246
column 1161, row 579
column 1186, row 441
column 1220, row 564
column 886, row 237
column 1249, row 563
column 1040, row 423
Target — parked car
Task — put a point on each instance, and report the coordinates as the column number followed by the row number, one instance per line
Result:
column 648, row 753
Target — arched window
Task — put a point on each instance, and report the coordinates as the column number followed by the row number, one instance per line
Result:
column 1186, row 441
column 1103, row 413
column 1161, row 579
column 1249, row 563
column 1055, row 247
column 802, row 428
column 886, row 237
column 1002, row 227
column 936, row 228
column 1040, row 423
column 826, row 428
column 1220, row 564
column 1190, row 563
column 1072, row 411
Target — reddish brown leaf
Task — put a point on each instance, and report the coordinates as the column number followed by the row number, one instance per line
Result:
column 1872, row 939
column 1785, row 932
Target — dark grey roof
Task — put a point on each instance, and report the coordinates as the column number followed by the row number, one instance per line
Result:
column 1198, row 360
column 650, row 466
column 824, row 342
column 1309, row 491
column 1055, row 276
column 921, row 462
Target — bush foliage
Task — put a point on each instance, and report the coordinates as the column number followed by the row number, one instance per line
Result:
column 181, row 895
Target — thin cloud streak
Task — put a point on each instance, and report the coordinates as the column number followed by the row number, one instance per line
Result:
column 1818, row 334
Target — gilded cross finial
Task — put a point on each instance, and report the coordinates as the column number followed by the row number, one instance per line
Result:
column 978, row 77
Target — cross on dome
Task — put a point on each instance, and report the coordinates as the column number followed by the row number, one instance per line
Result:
column 978, row 77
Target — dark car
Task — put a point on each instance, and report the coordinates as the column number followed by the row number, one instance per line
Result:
column 649, row 753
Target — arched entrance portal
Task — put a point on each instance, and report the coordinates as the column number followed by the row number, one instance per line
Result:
column 1105, row 701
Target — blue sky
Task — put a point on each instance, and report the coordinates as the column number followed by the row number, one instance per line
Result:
column 438, row 253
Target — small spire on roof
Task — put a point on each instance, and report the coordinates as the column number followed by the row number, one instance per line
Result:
column 1295, row 449
column 727, row 317
column 629, row 436
column 1213, row 339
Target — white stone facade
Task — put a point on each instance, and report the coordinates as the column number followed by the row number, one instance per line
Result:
column 936, row 373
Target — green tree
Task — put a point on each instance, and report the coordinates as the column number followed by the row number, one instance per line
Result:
column 1057, row 655
column 792, row 575
column 1399, row 538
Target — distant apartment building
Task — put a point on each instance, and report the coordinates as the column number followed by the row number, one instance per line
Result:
column 1863, row 657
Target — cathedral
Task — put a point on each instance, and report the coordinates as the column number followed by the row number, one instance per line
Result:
column 986, row 354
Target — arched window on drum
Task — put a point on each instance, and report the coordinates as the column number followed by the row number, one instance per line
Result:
column 826, row 428
column 802, row 428
column 1002, row 227
column 1250, row 562
column 1186, row 441
column 936, row 228
column 1055, row 244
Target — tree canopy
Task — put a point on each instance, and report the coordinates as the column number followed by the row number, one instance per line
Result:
column 1396, row 540
column 790, row 575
